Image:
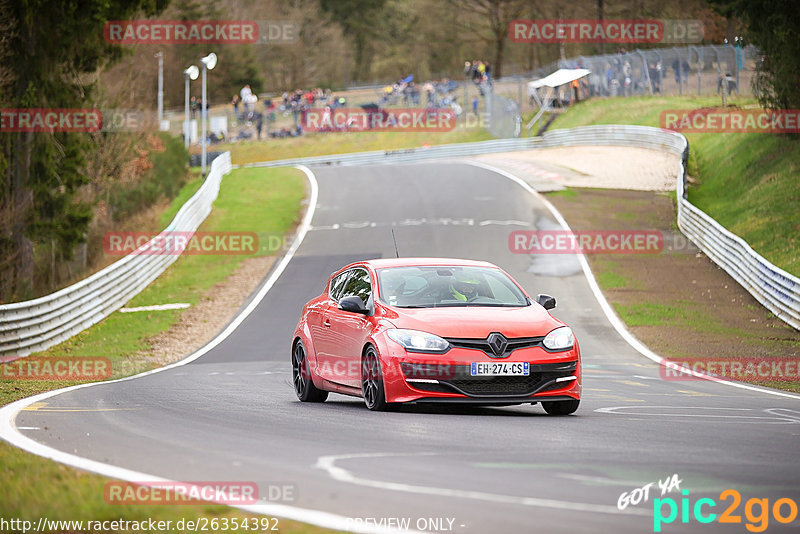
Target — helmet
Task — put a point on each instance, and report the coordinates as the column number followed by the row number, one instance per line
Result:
column 465, row 283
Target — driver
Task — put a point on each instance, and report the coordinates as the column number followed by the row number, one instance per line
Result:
column 464, row 287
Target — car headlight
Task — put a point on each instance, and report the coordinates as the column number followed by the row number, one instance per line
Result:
column 559, row 339
column 415, row 340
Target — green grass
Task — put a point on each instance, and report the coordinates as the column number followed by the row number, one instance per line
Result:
column 611, row 280
column 747, row 182
column 319, row 144
column 35, row 487
column 266, row 201
column 655, row 314
column 566, row 194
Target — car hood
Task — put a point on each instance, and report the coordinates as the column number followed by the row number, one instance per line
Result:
column 477, row 321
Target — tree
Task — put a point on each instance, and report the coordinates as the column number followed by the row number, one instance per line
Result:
column 773, row 26
column 356, row 19
column 491, row 21
column 54, row 54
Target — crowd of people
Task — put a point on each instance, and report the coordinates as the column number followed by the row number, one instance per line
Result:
column 433, row 94
column 437, row 94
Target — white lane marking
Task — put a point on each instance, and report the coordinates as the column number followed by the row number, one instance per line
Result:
column 511, row 222
column 8, row 413
column 28, row 428
column 442, row 221
column 611, row 315
column 778, row 418
column 599, row 480
column 783, row 412
column 156, row 307
column 328, row 464
column 646, row 377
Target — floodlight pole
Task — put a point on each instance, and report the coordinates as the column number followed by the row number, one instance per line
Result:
column 209, row 62
column 203, row 119
column 160, row 56
column 186, row 136
column 189, row 74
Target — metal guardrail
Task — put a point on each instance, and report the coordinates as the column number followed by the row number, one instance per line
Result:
column 34, row 325
column 37, row 324
column 776, row 289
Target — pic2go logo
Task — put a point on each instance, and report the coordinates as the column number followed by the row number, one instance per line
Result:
column 756, row 511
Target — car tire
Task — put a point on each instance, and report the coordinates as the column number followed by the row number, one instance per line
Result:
column 372, row 388
column 301, row 377
column 561, row 407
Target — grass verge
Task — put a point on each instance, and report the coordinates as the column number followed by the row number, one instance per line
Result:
column 266, row 201
column 676, row 301
column 320, row 144
column 746, row 181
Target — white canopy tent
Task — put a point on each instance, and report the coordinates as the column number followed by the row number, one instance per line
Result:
column 553, row 81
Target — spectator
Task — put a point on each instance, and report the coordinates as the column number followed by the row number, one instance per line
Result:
column 235, row 103
column 259, row 124
column 429, row 89
column 194, row 105
column 245, row 93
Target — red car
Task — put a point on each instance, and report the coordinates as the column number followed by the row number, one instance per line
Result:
column 434, row 330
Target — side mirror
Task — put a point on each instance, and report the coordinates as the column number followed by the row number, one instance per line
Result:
column 546, row 301
column 353, row 304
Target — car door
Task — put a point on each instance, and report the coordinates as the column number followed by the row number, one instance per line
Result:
column 349, row 330
column 324, row 338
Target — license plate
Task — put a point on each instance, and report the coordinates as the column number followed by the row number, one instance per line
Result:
column 500, row 369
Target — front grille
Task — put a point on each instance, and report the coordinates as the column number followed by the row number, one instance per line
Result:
column 497, row 385
column 457, row 378
column 483, row 345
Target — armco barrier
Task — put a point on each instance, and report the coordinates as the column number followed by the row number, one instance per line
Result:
column 776, row 289
column 34, row 325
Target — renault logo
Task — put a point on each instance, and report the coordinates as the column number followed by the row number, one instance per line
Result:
column 498, row 343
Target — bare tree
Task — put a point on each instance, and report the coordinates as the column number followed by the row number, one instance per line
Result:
column 491, row 19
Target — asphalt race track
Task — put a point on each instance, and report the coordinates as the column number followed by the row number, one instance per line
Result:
column 232, row 415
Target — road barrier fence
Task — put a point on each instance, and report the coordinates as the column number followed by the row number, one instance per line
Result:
column 37, row 324
column 34, row 325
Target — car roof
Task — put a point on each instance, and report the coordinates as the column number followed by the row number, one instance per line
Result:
column 421, row 262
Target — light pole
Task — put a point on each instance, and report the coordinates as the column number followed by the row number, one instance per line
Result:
column 209, row 62
column 160, row 56
column 189, row 74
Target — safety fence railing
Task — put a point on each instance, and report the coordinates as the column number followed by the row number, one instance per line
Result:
column 37, row 324
column 34, row 325
column 776, row 289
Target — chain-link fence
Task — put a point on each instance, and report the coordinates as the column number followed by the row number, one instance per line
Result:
column 503, row 117
column 690, row 70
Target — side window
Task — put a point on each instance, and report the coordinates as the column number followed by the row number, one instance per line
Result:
column 358, row 285
column 337, row 284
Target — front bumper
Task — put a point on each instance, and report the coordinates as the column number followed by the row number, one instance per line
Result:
column 410, row 376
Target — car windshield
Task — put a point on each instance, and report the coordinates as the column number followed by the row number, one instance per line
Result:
column 448, row 285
